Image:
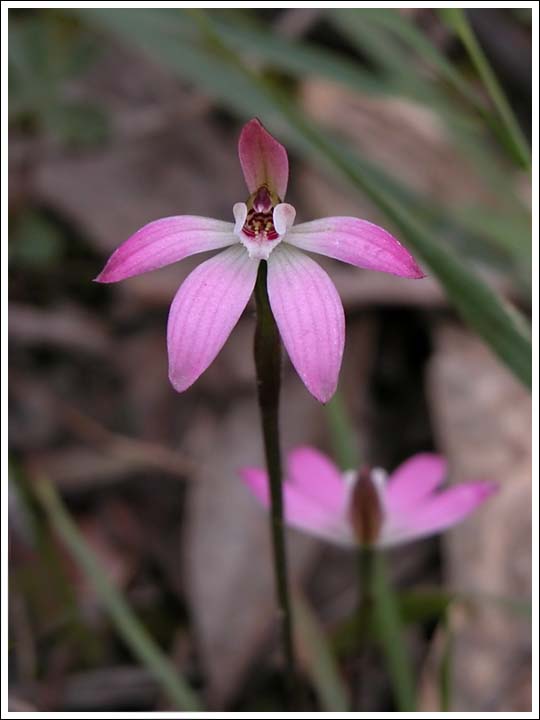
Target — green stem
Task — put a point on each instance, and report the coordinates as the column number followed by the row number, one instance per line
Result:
column 129, row 627
column 459, row 21
column 268, row 367
column 389, row 632
column 365, row 613
column 342, row 435
column 366, row 558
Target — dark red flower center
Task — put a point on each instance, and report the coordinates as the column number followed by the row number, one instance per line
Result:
column 259, row 222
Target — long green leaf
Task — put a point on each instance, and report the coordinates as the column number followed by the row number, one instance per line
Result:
column 133, row 633
column 458, row 20
column 359, row 24
column 318, row 658
column 389, row 632
column 298, row 58
column 342, row 435
column 445, row 667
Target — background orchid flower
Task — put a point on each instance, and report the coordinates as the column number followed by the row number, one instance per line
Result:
column 304, row 301
column 369, row 507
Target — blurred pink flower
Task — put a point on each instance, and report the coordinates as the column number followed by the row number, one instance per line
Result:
column 367, row 507
column 304, row 301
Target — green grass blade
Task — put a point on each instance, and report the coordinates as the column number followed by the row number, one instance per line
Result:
column 389, row 632
column 342, row 435
column 458, row 20
column 445, row 667
column 320, row 662
column 128, row 626
column 353, row 22
column 296, row 57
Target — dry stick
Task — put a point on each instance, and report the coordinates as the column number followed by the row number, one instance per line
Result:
column 268, row 367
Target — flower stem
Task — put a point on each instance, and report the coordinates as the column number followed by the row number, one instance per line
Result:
column 378, row 613
column 366, row 558
column 389, row 632
column 268, row 367
column 364, row 615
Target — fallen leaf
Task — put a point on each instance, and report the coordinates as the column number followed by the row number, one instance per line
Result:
column 482, row 418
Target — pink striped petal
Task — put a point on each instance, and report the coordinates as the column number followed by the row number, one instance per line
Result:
column 310, row 318
column 442, row 510
column 413, row 480
column 166, row 241
column 316, row 476
column 263, row 159
column 357, row 242
column 207, row 306
column 301, row 511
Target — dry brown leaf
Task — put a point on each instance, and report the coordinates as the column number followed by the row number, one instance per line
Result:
column 65, row 327
column 482, row 419
column 405, row 138
column 113, row 192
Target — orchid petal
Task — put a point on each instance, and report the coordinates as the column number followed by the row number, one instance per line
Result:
column 240, row 213
column 301, row 511
column 317, row 477
column 257, row 481
column 357, row 242
column 441, row 511
column 207, row 306
column 310, row 318
column 263, row 159
column 413, row 480
column 283, row 217
column 166, row 241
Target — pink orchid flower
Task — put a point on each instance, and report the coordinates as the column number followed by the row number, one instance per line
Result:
column 367, row 507
column 304, row 301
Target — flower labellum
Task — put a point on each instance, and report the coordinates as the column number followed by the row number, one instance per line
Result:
column 369, row 508
column 304, row 301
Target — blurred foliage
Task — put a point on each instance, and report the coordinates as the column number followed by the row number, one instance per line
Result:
column 47, row 50
column 36, row 240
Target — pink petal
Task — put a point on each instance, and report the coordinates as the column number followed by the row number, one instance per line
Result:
column 257, row 481
column 357, row 242
column 263, row 159
column 444, row 509
column 166, row 241
column 301, row 511
column 240, row 212
column 283, row 217
column 316, row 476
column 207, row 306
column 413, row 480
column 310, row 318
